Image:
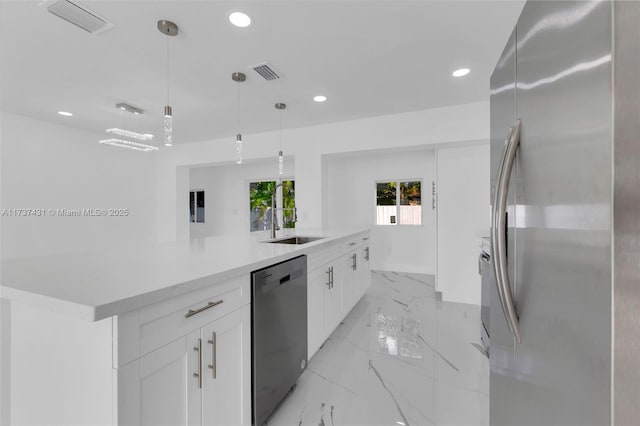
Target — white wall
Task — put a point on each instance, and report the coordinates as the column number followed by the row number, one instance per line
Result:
column 351, row 202
column 468, row 122
column 463, row 217
column 49, row 166
column 227, row 194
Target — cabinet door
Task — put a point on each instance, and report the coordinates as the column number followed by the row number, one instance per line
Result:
column 365, row 271
column 226, row 388
column 350, row 280
column 160, row 388
column 334, row 305
column 319, row 283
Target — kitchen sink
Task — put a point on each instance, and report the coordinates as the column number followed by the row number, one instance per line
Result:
column 295, row 240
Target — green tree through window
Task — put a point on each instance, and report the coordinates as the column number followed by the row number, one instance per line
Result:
column 260, row 204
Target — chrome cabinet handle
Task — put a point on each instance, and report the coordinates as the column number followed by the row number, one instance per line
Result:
column 354, row 265
column 499, row 232
column 332, row 277
column 352, row 244
column 367, row 255
column 191, row 312
column 214, row 349
column 198, row 375
column 328, row 283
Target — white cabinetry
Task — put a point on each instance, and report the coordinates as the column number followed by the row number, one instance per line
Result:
column 356, row 270
column 324, row 303
column 226, row 388
column 156, row 389
column 365, row 267
column 137, row 368
column 339, row 275
column 199, row 378
column 334, row 300
column 351, row 277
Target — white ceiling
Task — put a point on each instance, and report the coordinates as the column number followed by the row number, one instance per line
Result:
column 368, row 57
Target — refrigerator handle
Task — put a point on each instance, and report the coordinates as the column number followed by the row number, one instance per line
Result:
column 494, row 238
column 499, row 232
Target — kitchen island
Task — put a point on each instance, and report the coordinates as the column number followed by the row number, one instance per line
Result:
column 157, row 334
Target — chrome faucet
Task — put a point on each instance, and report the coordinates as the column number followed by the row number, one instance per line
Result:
column 274, row 225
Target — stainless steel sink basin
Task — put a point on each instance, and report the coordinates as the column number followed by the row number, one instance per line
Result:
column 295, row 240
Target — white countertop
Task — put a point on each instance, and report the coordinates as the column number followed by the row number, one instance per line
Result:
column 101, row 284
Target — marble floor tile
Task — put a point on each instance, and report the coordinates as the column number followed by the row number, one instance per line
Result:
column 400, row 357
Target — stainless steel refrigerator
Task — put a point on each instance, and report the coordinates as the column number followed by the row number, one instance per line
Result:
column 565, row 170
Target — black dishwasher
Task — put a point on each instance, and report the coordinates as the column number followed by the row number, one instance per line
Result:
column 278, row 333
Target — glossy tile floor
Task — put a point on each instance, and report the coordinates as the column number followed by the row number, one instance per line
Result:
column 400, row 358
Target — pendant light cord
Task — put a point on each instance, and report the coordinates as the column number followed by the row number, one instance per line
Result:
column 168, row 65
column 280, row 130
column 238, row 107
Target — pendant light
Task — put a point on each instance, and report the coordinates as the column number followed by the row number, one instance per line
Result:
column 238, row 77
column 280, row 107
column 122, row 138
column 169, row 29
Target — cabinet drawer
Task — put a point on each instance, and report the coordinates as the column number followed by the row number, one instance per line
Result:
column 321, row 257
column 355, row 242
column 149, row 328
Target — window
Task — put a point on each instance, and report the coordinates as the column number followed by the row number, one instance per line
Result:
column 398, row 203
column 260, row 204
column 196, row 206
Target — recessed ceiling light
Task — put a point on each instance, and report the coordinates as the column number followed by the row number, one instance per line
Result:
column 320, row 98
column 65, row 113
column 461, row 72
column 240, row 19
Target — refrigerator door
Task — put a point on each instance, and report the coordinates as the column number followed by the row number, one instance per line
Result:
column 560, row 373
column 503, row 117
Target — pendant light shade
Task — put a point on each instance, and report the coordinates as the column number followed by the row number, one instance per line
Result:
column 238, row 148
column 238, row 77
column 280, row 107
column 168, row 126
column 125, row 138
column 169, row 29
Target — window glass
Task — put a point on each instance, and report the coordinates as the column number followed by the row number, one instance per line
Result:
column 200, row 206
column 289, row 204
column 260, row 204
column 399, row 203
column 192, row 212
column 196, row 206
column 410, row 203
column 386, row 203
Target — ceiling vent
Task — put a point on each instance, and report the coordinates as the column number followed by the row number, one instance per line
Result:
column 78, row 16
column 266, row 71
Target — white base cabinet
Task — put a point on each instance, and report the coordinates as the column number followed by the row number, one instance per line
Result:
column 324, row 307
column 154, row 366
column 339, row 275
column 156, row 389
column 197, row 380
column 226, row 385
